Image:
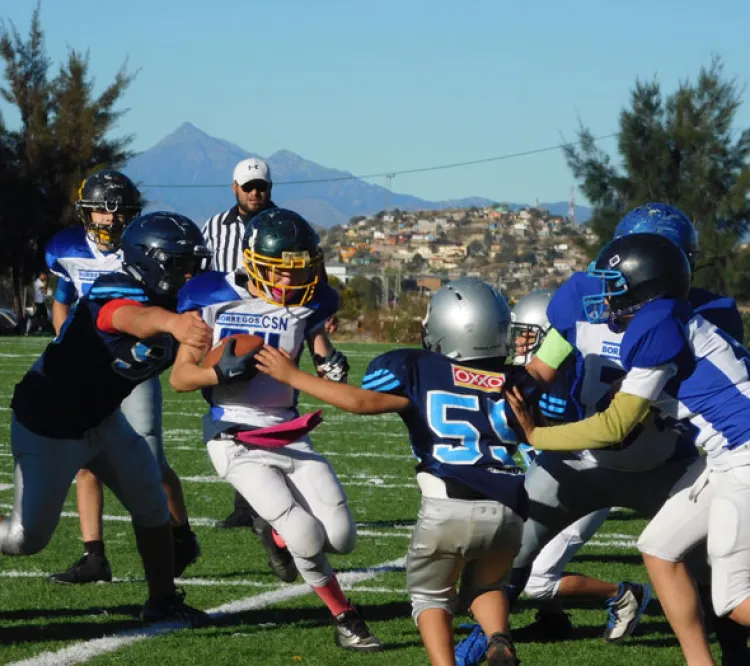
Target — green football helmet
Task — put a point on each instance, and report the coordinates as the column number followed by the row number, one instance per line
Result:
column 282, row 256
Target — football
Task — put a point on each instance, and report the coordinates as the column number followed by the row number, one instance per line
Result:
column 246, row 343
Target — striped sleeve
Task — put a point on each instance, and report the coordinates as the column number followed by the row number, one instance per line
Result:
column 387, row 373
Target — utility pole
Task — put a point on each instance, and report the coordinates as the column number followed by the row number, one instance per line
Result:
column 385, row 289
column 572, row 206
column 389, row 186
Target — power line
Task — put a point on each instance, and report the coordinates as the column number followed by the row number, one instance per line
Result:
column 391, row 174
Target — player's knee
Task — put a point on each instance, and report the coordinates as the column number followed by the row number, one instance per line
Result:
column 652, row 542
column 422, row 601
column 342, row 533
column 15, row 540
column 542, row 588
column 303, row 534
column 151, row 513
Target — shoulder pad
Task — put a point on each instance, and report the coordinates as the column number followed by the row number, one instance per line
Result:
column 117, row 285
column 205, row 289
column 66, row 244
column 655, row 336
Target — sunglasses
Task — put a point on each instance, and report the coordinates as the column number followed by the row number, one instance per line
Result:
column 259, row 185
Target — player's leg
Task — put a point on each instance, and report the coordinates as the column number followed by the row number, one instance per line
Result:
column 729, row 544
column 126, row 465
column 44, row 468
column 675, row 530
column 143, row 411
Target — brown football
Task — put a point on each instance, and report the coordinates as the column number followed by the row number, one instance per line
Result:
column 246, row 343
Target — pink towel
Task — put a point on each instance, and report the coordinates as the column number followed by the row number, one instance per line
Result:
column 283, row 434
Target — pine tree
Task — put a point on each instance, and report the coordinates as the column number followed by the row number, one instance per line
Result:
column 62, row 137
column 684, row 150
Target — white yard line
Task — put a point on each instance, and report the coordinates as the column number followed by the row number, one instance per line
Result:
column 84, row 650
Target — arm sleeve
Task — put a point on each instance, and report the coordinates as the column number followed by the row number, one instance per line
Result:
column 607, row 428
column 554, row 350
column 107, row 311
column 65, row 292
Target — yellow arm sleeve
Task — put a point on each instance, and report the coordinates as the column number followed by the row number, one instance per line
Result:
column 607, row 428
column 554, row 350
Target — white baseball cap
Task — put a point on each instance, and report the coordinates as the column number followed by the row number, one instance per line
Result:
column 251, row 169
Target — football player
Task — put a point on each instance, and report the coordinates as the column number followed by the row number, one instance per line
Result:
column 122, row 333
column 697, row 380
column 108, row 201
column 577, row 483
column 255, row 437
column 450, row 397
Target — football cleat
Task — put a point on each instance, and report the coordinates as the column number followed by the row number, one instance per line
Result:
column 186, row 552
column 280, row 560
column 625, row 610
column 353, row 634
column 237, row 518
column 90, row 568
column 501, row 651
column 174, row 609
column 471, row 650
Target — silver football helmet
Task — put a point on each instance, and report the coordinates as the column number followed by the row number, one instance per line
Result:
column 529, row 325
column 467, row 319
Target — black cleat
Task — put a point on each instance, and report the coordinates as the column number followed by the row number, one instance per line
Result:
column 353, row 634
column 280, row 560
column 90, row 568
column 237, row 519
column 186, row 551
column 501, row 651
column 174, row 609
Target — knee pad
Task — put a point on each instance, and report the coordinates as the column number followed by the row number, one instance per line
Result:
column 542, row 588
column 303, row 533
column 14, row 540
column 342, row 533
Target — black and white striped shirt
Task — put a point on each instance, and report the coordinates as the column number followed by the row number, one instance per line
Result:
column 223, row 235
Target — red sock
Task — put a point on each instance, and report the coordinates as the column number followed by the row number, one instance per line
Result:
column 333, row 597
column 277, row 539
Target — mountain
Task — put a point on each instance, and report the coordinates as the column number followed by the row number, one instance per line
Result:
column 198, row 170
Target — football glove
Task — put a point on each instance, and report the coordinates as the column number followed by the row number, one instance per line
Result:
column 334, row 367
column 232, row 368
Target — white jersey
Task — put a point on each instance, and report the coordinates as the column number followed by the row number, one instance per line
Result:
column 75, row 259
column 229, row 309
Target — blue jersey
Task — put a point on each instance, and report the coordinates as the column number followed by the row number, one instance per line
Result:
column 77, row 262
column 460, row 427
column 700, row 374
column 85, row 373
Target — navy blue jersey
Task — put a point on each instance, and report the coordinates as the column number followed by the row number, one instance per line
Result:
column 460, row 427
column 85, row 373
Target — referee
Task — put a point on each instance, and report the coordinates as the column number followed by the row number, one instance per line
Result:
column 223, row 234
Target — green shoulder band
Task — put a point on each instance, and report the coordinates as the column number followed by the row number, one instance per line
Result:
column 554, row 350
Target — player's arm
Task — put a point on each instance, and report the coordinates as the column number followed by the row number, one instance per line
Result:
column 551, row 355
column 132, row 318
column 330, row 363
column 278, row 365
column 65, row 296
column 610, row 427
column 187, row 373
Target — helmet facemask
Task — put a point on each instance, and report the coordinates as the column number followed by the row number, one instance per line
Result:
column 106, row 236
column 524, row 340
column 266, row 272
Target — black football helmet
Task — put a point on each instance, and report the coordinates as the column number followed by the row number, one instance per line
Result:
column 279, row 240
column 113, row 192
column 633, row 270
column 160, row 249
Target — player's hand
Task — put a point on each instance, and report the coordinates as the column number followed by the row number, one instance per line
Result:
column 333, row 366
column 232, row 368
column 189, row 329
column 522, row 412
column 276, row 363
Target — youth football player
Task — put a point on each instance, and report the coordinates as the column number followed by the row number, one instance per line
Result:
column 450, row 397
column 122, row 333
column 255, row 436
column 108, row 202
column 697, row 379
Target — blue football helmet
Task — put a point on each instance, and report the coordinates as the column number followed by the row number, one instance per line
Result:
column 162, row 250
column 665, row 220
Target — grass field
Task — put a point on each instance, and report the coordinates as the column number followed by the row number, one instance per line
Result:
column 264, row 621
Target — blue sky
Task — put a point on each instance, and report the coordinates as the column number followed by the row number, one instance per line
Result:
column 381, row 86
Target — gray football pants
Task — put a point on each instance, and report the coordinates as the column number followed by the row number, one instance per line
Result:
column 563, row 488
column 142, row 410
column 45, row 468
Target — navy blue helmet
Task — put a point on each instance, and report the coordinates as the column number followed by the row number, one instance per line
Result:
column 161, row 250
column 665, row 220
